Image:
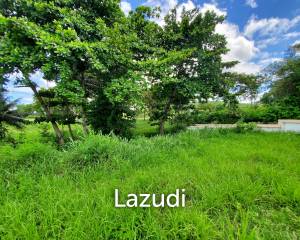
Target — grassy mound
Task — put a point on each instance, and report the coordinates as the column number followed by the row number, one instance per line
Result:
column 238, row 186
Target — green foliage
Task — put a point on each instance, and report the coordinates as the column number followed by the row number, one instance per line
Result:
column 266, row 113
column 90, row 48
column 219, row 113
column 2, row 131
column 187, row 62
column 284, row 95
column 278, row 111
column 242, row 127
column 61, row 102
column 8, row 114
column 245, row 85
column 27, row 109
column 243, row 191
column 111, row 117
column 186, row 65
column 45, row 133
column 82, row 46
column 255, row 113
column 213, row 113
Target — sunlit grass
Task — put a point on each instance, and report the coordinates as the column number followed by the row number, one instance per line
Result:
column 238, row 186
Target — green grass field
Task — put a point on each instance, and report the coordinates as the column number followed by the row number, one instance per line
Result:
column 238, row 186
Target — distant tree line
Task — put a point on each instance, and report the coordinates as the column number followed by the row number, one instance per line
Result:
column 283, row 77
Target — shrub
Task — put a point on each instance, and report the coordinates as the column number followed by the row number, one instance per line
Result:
column 214, row 113
column 242, row 127
column 109, row 117
column 181, row 120
column 256, row 113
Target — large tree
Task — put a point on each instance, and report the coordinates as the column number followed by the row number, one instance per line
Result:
column 284, row 93
column 187, row 65
column 71, row 42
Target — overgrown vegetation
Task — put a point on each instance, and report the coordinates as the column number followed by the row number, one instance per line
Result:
column 217, row 112
column 235, row 190
column 117, row 80
column 106, row 66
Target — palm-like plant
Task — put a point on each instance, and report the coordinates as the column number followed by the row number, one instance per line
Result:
column 9, row 114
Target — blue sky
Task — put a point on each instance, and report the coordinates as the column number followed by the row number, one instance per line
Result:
column 258, row 31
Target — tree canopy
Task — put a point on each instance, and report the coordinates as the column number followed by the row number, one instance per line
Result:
column 106, row 66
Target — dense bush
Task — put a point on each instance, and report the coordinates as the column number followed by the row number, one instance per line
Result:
column 256, row 113
column 261, row 113
column 111, row 117
column 213, row 113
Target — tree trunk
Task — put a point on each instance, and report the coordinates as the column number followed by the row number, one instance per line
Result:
column 84, row 122
column 165, row 114
column 83, row 113
column 58, row 133
column 164, row 118
column 56, row 129
column 161, row 126
column 71, row 132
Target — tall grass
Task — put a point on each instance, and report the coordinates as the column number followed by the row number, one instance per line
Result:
column 238, row 186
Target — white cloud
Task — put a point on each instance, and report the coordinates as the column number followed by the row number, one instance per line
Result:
column 125, row 6
column 38, row 78
column 251, row 3
column 292, row 35
column 22, row 94
column 26, row 100
column 264, row 43
column 189, row 5
column 165, row 6
column 19, row 90
column 271, row 31
column 241, row 48
column 269, row 26
column 247, row 67
column 296, row 46
column 267, row 42
column 276, row 39
column 296, row 42
column 212, row 7
column 268, row 61
column 25, row 94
